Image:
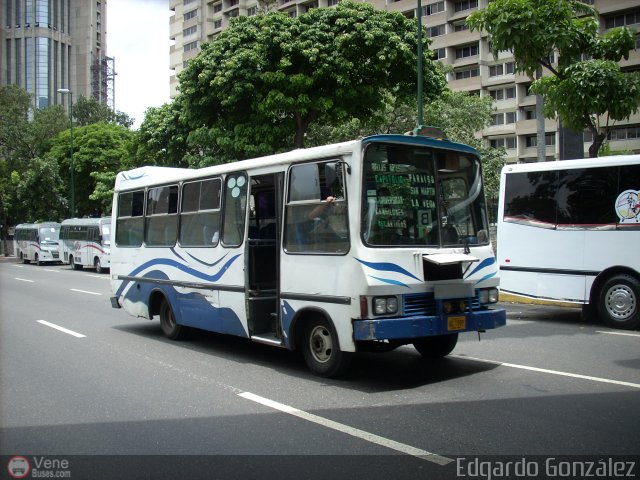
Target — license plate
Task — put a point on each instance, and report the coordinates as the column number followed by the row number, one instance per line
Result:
column 456, row 323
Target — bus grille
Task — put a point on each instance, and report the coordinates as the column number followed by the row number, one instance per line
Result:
column 425, row 304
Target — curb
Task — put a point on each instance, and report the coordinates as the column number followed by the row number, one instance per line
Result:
column 511, row 298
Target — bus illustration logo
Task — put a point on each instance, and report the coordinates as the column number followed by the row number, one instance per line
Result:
column 628, row 206
column 18, row 467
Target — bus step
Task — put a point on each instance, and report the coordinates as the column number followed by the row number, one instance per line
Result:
column 268, row 338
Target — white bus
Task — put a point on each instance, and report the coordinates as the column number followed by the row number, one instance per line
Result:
column 364, row 245
column 86, row 242
column 37, row 242
column 570, row 231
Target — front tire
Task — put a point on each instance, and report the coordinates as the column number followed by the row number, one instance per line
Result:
column 98, row 266
column 618, row 302
column 436, row 347
column 168, row 323
column 37, row 260
column 321, row 349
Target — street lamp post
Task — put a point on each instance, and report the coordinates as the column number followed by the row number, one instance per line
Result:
column 65, row 91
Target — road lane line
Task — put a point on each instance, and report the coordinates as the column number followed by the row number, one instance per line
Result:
column 552, row 372
column 106, row 277
column 619, row 333
column 355, row 432
column 84, row 291
column 51, row 270
column 24, row 280
column 62, row 329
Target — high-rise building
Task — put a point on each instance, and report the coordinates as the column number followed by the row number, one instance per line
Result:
column 474, row 69
column 47, row 45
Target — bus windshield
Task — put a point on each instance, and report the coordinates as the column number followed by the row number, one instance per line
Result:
column 48, row 235
column 106, row 235
column 422, row 196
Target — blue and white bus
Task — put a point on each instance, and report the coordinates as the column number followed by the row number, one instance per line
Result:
column 86, row 242
column 37, row 242
column 364, row 245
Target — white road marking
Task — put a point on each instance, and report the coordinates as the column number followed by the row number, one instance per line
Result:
column 552, row 372
column 99, row 276
column 19, row 266
column 24, row 280
column 369, row 437
column 620, row 333
column 62, row 329
column 51, row 270
column 84, row 291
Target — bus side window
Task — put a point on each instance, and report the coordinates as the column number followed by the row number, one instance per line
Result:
column 130, row 219
column 235, row 205
column 316, row 213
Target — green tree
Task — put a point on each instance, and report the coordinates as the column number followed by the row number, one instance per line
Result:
column 88, row 110
column 586, row 94
column 162, row 137
column 40, row 192
column 25, row 137
column 98, row 150
column 261, row 83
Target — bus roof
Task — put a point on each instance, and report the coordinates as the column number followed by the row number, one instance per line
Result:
column 37, row 225
column 86, row 221
column 612, row 161
column 152, row 175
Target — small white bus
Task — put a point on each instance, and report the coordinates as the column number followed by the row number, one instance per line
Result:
column 363, row 245
column 86, row 242
column 37, row 242
column 570, row 230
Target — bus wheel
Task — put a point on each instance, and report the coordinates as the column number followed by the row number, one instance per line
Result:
column 98, row 266
column 618, row 302
column 168, row 323
column 321, row 349
column 73, row 264
column 436, row 347
column 24, row 259
column 37, row 260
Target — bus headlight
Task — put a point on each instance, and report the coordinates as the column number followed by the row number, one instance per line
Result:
column 385, row 305
column 488, row 295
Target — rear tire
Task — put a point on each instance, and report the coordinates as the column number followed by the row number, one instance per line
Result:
column 168, row 323
column 321, row 349
column 98, row 266
column 37, row 260
column 619, row 302
column 436, row 347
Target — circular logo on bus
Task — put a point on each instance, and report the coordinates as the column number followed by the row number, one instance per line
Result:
column 18, row 467
column 628, row 206
column 76, row 246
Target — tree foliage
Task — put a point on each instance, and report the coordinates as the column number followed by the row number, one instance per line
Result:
column 162, row 137
column 261, row 83
column 98, row 151
column 88, row 110
column 591, row 93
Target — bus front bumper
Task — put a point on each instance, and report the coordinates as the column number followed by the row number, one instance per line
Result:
column 426, row 326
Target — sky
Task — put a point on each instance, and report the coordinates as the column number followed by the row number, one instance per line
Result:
column 138, row 41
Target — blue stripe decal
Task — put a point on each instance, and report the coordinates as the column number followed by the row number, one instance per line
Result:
column 486, row 277
column 172, row 263
column 208, row 264
column 173, row 250
column 390, row 281
column 388, row 267
column 483, row 264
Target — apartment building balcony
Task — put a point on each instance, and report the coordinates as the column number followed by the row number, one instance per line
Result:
column 529, row 127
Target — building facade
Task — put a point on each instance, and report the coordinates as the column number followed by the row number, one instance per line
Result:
column 474, row 69
column 47, row 45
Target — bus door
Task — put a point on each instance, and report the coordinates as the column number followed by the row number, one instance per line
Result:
column 262, row 257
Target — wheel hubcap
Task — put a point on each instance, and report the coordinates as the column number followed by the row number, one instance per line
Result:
column 620, row 302
column 321, row 344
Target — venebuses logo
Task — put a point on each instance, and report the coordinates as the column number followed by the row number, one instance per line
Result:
column 18, row 467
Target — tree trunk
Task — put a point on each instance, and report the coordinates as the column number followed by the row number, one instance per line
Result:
column 302, row 124
column 598, row 140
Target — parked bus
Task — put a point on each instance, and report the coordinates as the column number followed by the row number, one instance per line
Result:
column 37, row 242
column 363, row 245
column 570, row 231
column 86, row 242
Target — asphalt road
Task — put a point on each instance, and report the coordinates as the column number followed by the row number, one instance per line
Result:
column 113, row 397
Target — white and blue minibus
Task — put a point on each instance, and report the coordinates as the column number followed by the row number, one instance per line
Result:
column 358, row 246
